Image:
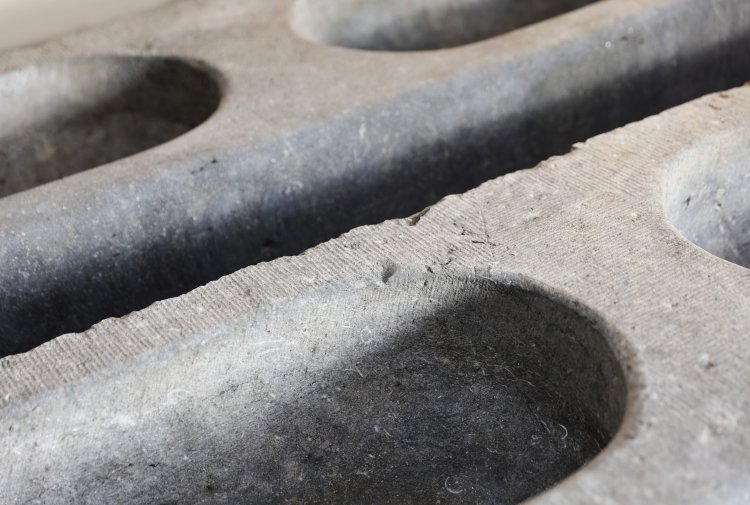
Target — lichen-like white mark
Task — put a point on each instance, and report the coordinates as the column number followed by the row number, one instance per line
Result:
column 450, row 489
column 545, row 426
column 566, row 432
column 268, row 351
column 264, row 342
column 355, row 370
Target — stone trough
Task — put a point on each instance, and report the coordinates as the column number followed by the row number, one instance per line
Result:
column 571, row 333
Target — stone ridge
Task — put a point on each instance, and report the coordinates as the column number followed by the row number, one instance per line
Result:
column 307, row 142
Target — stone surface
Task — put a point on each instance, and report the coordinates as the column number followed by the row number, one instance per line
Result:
column 393, row 25
column 65, row 117
column 574, row 333
column 308, row 141
column 707, row 198
column 475, row 352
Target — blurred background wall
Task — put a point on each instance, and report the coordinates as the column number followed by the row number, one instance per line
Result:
column 24, row 22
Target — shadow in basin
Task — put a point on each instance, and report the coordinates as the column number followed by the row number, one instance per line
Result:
column 394, row 25
column 63, row 117
column 464, row 391
column 708, row 196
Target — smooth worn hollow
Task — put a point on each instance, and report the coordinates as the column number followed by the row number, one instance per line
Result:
column 396, row 25
column 64, row 117
column 708, row 197
column 425, row 389
column 458, row 389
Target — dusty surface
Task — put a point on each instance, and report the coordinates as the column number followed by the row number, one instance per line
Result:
column 518, row 299
column 392, row 25
column 579, row 327
column 308, row 140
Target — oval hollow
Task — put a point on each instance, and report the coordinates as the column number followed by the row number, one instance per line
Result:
column 64, row 117
column 422, row 390
column 417, row 389
column 395, row 25
column 708, row 196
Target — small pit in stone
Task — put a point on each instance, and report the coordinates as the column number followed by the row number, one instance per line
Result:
column 63, row 117
column 396, row 25
column 708, row 196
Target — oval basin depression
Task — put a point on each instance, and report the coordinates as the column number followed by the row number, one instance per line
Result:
column 397, row 25
column 708, row 197
column 422, row 390
column 63, row 117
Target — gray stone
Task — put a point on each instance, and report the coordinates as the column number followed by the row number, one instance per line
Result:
column 479, row 351
column 67, row 116
column 308, row 140
column 707, row 197
column 393, row 25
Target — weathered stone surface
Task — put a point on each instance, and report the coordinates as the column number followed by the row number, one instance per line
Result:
column 68, row 116
column 475, row 352
column 393, row 25
column 308, row 141
column 708, row 195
